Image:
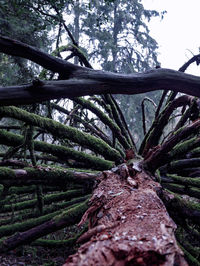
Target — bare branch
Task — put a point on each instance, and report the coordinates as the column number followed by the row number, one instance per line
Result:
column 143, row 112
column 17, row 48
column 90, row 82
column 86, row 81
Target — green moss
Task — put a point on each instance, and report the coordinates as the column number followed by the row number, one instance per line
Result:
column 31, row 189
column 72, row 213
column 191, row 260
column 6, row 172
column 105, row 119
column 45, row 175
column 158, row 176
column 54, row 243
column 27, row 214
column 183, row 237
column 1, row 188
column 186, row 180
column 182, row 189
column 47, row 199
column 57, row 167
column 23, row 226
column 60, row 49
column 49, row 175
column 62, row 131
column 183, row 163
column 21, row 190
column 195, row 152
column 59, row 243
column 64, row 153
column 183, row 147
column 189, row 206
column 8, row 199
column 7, row 176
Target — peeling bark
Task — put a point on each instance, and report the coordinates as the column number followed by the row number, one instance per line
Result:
column 128, row 226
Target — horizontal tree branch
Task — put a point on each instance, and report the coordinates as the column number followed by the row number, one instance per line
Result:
column 99, row 82
column 54, row 197
column 85, row 81
column 182, row 189
column 45, row 175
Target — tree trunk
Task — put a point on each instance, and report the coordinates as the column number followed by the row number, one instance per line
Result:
column 128, row 224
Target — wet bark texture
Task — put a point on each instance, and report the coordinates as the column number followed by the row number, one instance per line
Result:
column 128, row 224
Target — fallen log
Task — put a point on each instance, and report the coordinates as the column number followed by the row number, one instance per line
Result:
column 128, row 225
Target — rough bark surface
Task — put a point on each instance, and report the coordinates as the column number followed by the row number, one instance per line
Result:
column 128, row 224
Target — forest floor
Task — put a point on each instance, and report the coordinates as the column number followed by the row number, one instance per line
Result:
column 41, row 256
column 34, row 257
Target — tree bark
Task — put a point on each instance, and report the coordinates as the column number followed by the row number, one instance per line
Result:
column 129, row 225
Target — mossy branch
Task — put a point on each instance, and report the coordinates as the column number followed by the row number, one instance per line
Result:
column 182, row 189
column 61, row 152
column 105, row 119
column 62, row 131
column 177, row 206
column 152, row 137
column 24, row 215
column 45, row 175
column 68, row 217
column 86, row 124
column 195, row 182
column 160, row 155
column 46, row 200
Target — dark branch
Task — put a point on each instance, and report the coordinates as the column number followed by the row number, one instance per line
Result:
column 17, row 48
column 87, row 81
column 90, row 82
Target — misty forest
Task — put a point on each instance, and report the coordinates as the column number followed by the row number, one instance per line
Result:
column 99, row 145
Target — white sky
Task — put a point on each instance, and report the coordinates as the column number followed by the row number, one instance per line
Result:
column 178, row 34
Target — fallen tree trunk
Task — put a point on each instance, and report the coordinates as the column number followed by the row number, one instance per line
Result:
column 129, row 225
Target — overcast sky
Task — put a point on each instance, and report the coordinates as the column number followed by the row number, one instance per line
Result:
column 178, row 34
